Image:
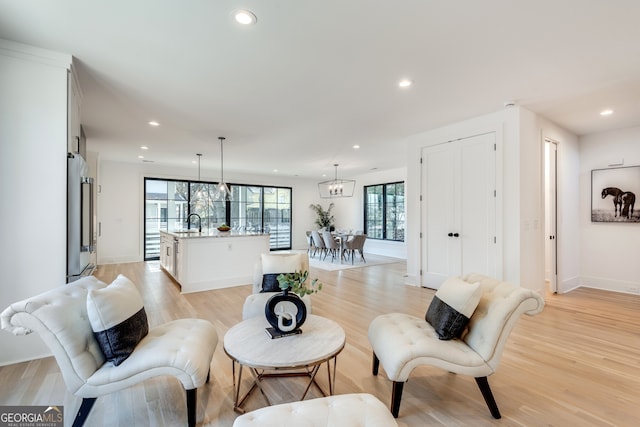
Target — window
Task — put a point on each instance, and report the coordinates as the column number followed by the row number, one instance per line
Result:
column 384, row 211
column 168, row 204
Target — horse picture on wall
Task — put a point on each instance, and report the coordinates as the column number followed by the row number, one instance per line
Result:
column 613, row 194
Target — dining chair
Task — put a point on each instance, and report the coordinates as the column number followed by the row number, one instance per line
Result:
column 318, row 244
column 355, row 244
column 310, row 241
column 331, row 245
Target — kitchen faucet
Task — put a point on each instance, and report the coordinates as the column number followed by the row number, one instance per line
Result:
column 199, row 221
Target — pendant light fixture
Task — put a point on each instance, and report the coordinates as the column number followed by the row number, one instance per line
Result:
column 336, row 187
column 223, row 193
column 200, row 197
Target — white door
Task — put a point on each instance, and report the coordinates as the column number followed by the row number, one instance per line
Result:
column 458, row 209
column 551, row 245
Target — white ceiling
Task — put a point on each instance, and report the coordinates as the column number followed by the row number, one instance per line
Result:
column 297, row 90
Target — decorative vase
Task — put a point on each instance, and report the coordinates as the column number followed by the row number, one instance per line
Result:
column 285, row 311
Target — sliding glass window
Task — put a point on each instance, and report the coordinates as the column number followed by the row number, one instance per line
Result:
column 384, row 211
column 168, row 204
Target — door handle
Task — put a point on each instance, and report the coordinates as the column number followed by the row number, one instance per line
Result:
column 456, row 235
column 450, row 234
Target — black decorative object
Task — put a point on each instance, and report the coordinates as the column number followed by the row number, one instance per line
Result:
column 278, row 315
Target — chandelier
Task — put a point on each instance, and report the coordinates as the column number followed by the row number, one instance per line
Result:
column 222, row 193
column 336, row 187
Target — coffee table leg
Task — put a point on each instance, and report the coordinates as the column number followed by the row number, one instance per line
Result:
column 331, row 378
column 257, row 382
column 237, row 403
column 312, row 380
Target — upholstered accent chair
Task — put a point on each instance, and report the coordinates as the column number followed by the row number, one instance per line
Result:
column 318, row 244
column 353, row 245
column 402, row 342
column 332, row 245
column 347, row 410
column 181, row 348
column 272, row 265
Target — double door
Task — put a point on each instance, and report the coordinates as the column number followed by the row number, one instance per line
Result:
column 458, row 211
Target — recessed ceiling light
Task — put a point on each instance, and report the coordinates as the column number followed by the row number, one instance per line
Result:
column 144, row 147
column 245, row 17
column 355, row 147
column 154, row 123
column 141, row 157
column 405, row 83
column 275, row 170
column 606, row 112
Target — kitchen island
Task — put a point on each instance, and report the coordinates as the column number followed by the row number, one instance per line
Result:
column 200, row 261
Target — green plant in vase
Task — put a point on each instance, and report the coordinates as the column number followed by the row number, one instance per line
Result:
column 297, row 283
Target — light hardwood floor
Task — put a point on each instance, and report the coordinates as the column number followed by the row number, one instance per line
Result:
column 576, row 364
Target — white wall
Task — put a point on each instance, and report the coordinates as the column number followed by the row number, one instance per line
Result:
column 608, row 251
column 33, row 184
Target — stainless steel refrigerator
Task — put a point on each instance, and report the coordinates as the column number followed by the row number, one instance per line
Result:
column 80, row 236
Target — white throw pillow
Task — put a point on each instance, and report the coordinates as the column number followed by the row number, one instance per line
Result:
column 117, row 318
column 289, row 263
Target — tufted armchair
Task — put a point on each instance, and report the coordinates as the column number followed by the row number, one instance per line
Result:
column 272, row 263
column 349, row 410
column 402, row 342
column 182, row 348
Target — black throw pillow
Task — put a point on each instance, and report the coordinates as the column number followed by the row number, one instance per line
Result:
column 270, row 283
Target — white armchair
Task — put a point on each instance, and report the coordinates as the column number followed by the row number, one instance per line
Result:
column 182, row 348
column 402, row 342
column 348, row 410
column 273, row 264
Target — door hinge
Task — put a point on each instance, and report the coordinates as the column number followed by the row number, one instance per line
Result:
column 421, row 234
column 421, row 272
column 420, row 160
column 421, row 197
column 494, row 193
column 494, row 147
column 495, row 240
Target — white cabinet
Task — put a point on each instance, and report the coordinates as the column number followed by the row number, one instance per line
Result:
column 458, row 212
column 168, row 246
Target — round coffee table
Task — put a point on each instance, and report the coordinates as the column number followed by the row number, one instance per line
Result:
column 248, row 344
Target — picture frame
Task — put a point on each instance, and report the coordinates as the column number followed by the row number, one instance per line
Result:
column 613, row 194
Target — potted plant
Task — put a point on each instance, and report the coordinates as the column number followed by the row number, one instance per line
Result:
column 297, row 283
column 324, row 218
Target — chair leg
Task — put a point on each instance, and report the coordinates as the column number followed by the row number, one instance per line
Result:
column 191, row 406
column 208, row 375
column 483, row 383
column 376, row 365
column 83, row 411
column 396, row 396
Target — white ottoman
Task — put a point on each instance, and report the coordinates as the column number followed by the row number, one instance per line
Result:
column 341, row 410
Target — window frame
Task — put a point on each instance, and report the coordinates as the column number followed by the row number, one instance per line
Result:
column 227, row 213
column 385, row 220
